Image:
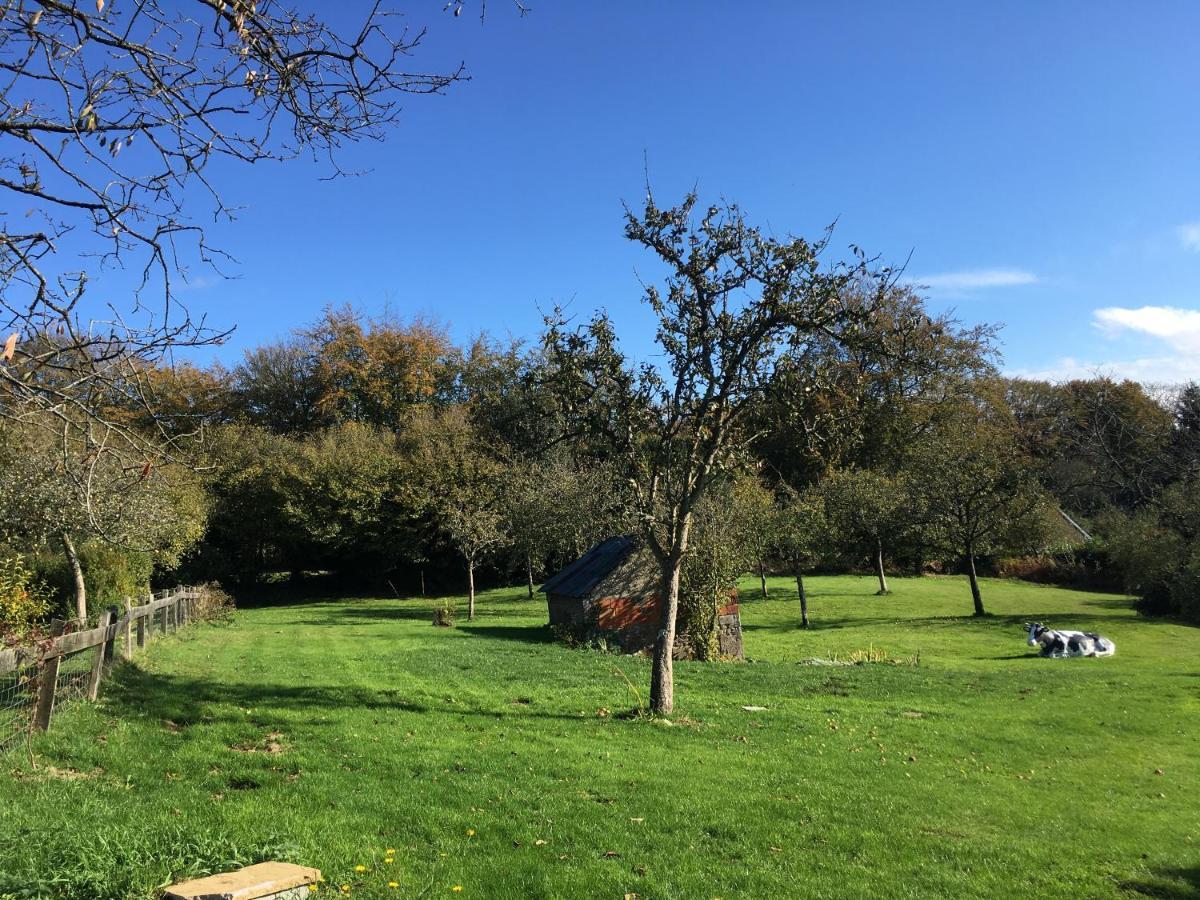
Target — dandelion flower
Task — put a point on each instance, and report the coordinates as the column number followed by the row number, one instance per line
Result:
column 360, row 868
column 389, row 852
column 389, row 860
column 470, row 832
column 393, row 884
column 457, row 889
column 345, row 888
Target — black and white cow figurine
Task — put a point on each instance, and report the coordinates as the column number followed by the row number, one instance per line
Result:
column 1061, row 644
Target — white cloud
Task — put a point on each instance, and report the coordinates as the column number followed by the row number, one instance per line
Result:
column 1175, row 328
column 1155, row 370
column 975, row 279
column 1189, row 236
column 1178, row 328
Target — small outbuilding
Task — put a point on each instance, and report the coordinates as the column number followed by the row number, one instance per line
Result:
column 612, row 592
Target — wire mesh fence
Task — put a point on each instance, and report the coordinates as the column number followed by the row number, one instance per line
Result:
column 70, row 659
column 18, row 690
column 74, row 675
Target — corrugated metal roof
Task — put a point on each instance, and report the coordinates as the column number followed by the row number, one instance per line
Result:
column 578, row 578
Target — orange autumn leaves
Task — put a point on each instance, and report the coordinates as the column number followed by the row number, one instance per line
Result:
column 373, row 371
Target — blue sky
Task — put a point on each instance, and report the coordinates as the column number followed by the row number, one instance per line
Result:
column 1039, row 161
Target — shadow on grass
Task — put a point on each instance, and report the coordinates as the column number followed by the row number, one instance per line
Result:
column 529, row 634
column 134, row 692
column 1003, row 622
column 1171, row 884
column 332, row 589
column 339, row 613
column 422, row 612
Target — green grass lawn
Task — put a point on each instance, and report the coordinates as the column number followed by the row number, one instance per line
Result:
column 490, row 758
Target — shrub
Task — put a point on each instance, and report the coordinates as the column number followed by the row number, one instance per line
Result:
column 111, row 574
column 443, row 614
column 213, row 604
column 24, row 598
column 1158, row 553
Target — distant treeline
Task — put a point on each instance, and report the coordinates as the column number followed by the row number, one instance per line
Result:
column 380, row 451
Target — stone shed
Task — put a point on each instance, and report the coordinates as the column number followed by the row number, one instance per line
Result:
column 612, row 591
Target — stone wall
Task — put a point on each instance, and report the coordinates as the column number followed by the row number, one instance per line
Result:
column 729, row 635
column 565, row 611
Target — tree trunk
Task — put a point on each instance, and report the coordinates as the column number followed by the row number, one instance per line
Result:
column 803, row 597
column 974, row 579
column 762, row 577
column 662, row 676
column 879, row 573
column 422, row 582
column 80, row 584
column 470, row 589
column 529, row 573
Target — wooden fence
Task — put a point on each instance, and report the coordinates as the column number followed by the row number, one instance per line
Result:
column 32, row 679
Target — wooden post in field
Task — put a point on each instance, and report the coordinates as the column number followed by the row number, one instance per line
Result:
column 110, row 646
column 141, row 631
column 106, row 618
column 128, row 628
column 163, row 624
column 47, row 684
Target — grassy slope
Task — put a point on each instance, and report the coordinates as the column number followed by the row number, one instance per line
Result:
column 985, row 772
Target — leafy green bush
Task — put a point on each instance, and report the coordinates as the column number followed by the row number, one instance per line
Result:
column 110, row 573
column 24, row 598
column 1158, row 552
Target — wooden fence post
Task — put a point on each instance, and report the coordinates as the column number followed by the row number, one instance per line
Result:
column 106, row 618
column 110, row 646
column 47, row 685
column 128, row 627
column 141, row 631
column 163, row 623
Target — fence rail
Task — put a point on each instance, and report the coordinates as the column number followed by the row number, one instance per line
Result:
column 71, row 664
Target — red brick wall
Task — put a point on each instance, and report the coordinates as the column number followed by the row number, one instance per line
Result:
column 616, row 613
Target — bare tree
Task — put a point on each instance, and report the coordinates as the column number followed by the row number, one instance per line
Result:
column 735, row 302
column 113, row 118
